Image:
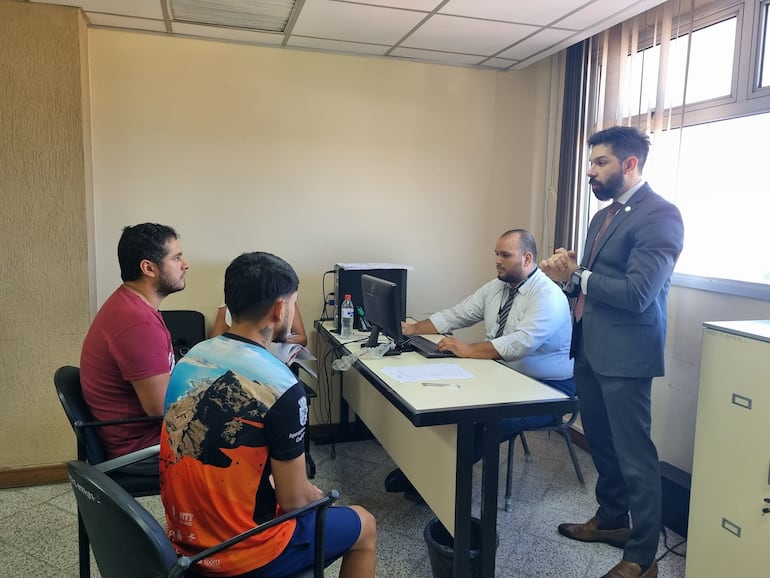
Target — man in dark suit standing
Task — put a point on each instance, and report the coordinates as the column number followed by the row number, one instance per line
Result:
column 621, row 285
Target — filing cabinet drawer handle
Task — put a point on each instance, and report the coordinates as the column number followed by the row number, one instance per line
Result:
column 742, row 401
column 731, row 527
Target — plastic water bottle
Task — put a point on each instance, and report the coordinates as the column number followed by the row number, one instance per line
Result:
column 347, row 314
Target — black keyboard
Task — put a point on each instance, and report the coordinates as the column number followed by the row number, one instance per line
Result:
column 425, row 347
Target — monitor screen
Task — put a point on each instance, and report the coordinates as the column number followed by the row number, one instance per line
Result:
column 382, row 308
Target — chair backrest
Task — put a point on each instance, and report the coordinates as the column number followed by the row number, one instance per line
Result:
column 186, row 327
column 89, row 445
column 126, row 540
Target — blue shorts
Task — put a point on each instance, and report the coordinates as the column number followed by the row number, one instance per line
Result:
column 342, row 528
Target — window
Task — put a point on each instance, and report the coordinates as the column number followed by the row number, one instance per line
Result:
column 708, row 117
column 714, row 173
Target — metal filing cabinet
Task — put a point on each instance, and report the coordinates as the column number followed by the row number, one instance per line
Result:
column 729, row 525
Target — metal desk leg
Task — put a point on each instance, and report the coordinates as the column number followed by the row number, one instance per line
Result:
column 489, row 474
column 463, row 500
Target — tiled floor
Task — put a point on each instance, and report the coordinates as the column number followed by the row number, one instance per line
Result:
column 38, row 531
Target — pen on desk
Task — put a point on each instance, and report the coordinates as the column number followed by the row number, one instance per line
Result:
column 433, row 384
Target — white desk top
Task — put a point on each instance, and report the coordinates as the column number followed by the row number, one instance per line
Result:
column 493, row 386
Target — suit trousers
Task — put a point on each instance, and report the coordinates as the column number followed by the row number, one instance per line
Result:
column 616, row 417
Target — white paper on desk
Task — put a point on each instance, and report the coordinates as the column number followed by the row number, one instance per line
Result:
column 430, row 371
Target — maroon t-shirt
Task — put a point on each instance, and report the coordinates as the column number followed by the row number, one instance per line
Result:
column 126, row 342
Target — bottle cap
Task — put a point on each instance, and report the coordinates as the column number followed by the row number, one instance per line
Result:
column 347, row 296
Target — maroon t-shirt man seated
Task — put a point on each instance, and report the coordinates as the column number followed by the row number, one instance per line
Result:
column 127, row 356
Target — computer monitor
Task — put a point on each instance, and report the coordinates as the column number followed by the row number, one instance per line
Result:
column 382, row 308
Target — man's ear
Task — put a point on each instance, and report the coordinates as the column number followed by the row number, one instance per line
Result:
column 147, row 268
column 630, row 164
column 279, row 310
column 529, row 258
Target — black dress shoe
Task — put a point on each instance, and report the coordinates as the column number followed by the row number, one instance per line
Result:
column 396, row 481
column 590, row 532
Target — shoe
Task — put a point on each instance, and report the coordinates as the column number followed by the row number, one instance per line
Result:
column 626, row 569
column 590, row 532
column 396, row 481
column 414, row 496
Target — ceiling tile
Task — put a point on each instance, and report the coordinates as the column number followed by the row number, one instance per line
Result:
column 540, row 12
column 226, row 33
column 437, row 57
column 466, row 35
column 337, row 45
column 544, row 39
column 138, row 8
column 354, row 22
column 112, row 21
column 424, row 5
column 602, row 14
column 498, row 63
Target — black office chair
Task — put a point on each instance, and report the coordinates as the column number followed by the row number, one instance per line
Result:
column 128, row 542
column 559, row 425
column 90, row 449
column 187, row 328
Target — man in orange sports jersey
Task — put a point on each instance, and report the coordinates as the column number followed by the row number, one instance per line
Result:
column 232, row 445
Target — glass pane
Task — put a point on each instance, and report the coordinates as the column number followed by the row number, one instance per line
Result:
column 710, row 72
column 719, row 186
column 764, row 56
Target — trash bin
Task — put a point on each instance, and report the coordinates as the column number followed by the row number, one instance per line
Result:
column 441, row 548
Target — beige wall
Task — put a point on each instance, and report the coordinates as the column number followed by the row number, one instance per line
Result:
column 319, row 158
column 43, row 226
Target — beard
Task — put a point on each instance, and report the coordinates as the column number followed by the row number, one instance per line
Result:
column 512, row 277
column 282, row 333
column 608, row 190
column 167, row 286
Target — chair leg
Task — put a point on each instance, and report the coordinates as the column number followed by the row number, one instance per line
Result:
column 84, row 550
column 509, row 475
column 524, row 444
column 575, row 464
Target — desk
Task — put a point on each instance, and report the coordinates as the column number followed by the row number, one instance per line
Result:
column 429, row 432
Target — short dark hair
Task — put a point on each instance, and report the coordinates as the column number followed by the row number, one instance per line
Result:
column 625, row 141
column 253, row 283
column 143, row 241
column 527, row 242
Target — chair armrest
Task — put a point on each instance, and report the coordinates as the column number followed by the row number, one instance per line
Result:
column 184, row 563
column 121, row 461
column 141, row 419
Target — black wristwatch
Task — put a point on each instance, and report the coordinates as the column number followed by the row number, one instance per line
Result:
column 577, row 277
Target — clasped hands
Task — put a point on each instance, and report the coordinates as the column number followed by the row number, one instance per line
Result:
column 561, row 265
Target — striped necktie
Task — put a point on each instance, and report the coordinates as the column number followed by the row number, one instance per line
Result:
column 505, row 309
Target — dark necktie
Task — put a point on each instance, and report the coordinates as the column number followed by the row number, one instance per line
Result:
column 614, row 208
column 502, row 315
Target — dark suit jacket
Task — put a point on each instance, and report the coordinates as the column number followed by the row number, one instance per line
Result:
column 624, row 318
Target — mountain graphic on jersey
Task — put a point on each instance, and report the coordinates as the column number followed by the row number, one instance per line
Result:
column 217, row 419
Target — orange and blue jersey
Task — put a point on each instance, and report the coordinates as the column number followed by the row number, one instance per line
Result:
column 231, row 406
